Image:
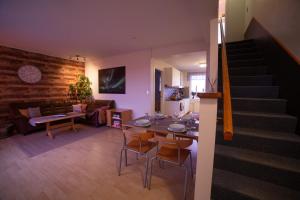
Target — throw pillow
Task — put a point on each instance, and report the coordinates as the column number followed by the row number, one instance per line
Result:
column 77, row 108
column 83, row 107
column 34, row 112
column 24, row 112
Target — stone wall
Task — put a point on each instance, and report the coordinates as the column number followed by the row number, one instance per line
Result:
column 57, row 74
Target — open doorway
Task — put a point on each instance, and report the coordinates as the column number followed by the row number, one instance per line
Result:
column 157, row 90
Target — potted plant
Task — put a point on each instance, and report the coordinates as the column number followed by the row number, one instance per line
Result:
column 81, row 90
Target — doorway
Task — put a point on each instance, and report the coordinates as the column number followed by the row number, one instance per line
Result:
column 157, row 90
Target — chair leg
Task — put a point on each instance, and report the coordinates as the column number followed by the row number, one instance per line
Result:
column 185, row 182
column 150, row 176
column 191, row 160
column 120, row 164
column 137, row 156
column 126, row 158
column 146, row 172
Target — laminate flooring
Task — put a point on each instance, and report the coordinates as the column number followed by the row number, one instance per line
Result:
column 84, row 169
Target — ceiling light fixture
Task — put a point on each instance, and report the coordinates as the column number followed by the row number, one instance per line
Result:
column 202, row 65
column 78, row 58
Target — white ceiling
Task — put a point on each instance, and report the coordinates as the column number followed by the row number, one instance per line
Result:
column 188, row 61
column 103, row 27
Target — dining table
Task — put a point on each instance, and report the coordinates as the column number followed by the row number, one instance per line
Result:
column 161, row 126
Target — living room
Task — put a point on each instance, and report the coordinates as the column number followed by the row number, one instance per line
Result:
column 73, row 75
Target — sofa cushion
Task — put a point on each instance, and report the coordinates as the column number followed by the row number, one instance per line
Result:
column 24, row 112
column 34, row 112
column 83, row 107
column 77, row 108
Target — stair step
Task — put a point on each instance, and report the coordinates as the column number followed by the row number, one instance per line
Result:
column 244, row 62
column 270, row 121
column 249, row 71
column 255, row 91
column 240, row 45
column 259, row 105
column 241, row 42
column 247, row 49
column 264, row 166
column 279, row 143
column 228, row 185
column 242, row 56
column 264, row 80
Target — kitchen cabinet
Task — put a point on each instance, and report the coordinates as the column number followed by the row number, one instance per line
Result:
column 184, row 79
column 172, row 77
column 181, row 107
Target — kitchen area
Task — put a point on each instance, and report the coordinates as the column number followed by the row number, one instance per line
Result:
column 181, row 77
column 178, row 99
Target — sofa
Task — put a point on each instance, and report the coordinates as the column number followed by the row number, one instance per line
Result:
column 95, row 113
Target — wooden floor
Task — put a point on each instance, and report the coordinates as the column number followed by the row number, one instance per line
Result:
column 85, row 169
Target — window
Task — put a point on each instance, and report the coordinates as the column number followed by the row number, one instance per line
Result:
column 197, row 82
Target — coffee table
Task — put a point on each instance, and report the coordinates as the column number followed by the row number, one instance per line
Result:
column 56, row 118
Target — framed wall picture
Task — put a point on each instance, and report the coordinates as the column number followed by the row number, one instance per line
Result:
column 112, row 80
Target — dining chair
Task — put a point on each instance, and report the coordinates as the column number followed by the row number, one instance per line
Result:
column 139, row 143
column 173, row 151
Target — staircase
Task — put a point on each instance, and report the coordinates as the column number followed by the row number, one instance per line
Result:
column 263, row 160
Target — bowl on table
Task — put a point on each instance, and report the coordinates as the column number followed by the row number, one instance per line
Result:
column 159, row 116
column 177, row 128
column 142, row 122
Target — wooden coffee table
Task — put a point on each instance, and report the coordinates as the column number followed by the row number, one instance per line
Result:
column 56, row 118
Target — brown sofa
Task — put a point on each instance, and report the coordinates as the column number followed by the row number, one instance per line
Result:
column 22, row 125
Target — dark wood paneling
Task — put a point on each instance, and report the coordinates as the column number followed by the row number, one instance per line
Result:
column 57, row 74
column 284, row 65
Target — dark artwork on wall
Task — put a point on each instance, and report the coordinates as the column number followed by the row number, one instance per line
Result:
column 112, row 80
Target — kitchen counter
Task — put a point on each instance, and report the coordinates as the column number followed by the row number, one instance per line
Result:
column 178, row 99
column 177, row 106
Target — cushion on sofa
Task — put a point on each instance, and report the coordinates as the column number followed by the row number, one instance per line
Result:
column 34, row 112
column 77, row 108
column 83, row 107
column 24, row 112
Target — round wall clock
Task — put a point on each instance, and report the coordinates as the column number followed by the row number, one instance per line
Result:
column 29, row 74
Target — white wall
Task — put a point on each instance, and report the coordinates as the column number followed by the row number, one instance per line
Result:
column 140, row 68
column 280, row 17
column 235, row 20
column 248, row 12
column 212, row 74
column 137, row 97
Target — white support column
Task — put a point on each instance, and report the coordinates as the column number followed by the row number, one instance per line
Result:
column 206, row 147
column 207, row 124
